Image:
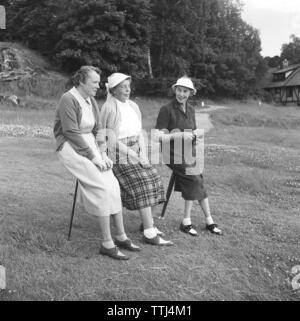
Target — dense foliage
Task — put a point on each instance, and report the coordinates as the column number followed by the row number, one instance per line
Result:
column 291, row 51
column 159, row 39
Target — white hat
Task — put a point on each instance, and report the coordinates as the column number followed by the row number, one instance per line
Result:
column 185, row 82
column 115, row 79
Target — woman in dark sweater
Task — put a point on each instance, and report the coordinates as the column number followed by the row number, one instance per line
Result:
column 178, row 133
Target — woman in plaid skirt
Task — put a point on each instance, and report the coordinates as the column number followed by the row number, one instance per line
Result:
column 141, row 187
column 75, row 128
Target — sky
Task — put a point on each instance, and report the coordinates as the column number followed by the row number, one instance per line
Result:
column 276, row 20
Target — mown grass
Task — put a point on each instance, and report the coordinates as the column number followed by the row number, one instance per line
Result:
column 252, row 174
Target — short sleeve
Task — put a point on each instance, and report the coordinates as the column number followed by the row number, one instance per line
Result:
column 163, row 119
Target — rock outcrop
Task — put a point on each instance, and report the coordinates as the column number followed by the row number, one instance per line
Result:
column 24, row 73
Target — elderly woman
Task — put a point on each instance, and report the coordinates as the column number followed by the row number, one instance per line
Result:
column 177, row 122
column 141, row 187
column 75, row 128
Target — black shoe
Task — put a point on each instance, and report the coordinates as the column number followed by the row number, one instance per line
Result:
column 112, row 252
column 211, row 228
column 188, row 229
column 127, row 245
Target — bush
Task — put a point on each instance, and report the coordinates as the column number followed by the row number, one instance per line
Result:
column 267, row 97
column 161, row 86
column 153, row 86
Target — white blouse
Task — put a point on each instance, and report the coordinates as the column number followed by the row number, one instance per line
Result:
column 130, row 124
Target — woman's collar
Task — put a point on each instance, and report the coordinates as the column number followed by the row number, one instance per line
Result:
column 180, row 106
column 79, row 97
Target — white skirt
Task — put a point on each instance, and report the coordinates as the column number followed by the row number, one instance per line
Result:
column 98, row 192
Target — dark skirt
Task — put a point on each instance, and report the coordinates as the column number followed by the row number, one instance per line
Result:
column 190, row 186
column 141, row 187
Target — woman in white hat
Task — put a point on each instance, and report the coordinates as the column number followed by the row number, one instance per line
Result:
column 75, row 128
column 179, row 116
column 141, row 187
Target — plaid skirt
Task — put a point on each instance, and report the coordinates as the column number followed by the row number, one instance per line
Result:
column 141, row 187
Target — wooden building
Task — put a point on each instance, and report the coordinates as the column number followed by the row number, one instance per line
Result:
column 285, row 84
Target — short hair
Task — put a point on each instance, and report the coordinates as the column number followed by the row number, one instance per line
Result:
column 81, row 74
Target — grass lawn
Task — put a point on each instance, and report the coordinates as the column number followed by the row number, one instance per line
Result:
column 252, row 174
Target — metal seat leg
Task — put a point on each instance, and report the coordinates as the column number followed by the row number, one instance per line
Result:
column 73, row 210
column 168, row 195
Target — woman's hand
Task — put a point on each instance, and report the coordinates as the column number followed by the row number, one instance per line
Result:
column 188, row 136
column 157, row 135
column 199, row 133
column 144, row 161
column 109, row 163
column 100, row 163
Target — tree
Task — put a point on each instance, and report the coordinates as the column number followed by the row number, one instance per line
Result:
column 209, row 41
column 204, row 39
column 273, row 62
column 236, row 46
column 291, row 51
column 110, row 34
column 34, row 22
column 178, row 29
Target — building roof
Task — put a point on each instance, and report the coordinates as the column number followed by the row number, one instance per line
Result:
column 289, row 68
column 275, row 84
column 292, row 80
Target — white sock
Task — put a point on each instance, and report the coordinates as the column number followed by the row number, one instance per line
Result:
column 187, row 221
column 150, row 233
column 158, row 232
column 121, row 237
column 108, row 244
column 209, row 220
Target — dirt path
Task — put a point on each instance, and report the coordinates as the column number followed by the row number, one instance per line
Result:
column 203, row 119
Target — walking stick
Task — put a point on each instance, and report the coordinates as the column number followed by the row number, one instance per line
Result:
column 169, row 192
column 73, row 210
